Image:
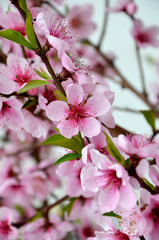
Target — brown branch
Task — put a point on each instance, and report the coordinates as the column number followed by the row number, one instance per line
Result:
column 126, row 109
column 105, row 23
column 124, row 81
column 26, row 149
column 41, row 52
column 16, row 5
column 141, row 70
column 3, row 57
column 44, row 212
column 53, row 75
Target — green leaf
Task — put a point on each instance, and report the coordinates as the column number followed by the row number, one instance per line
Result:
column 30, row 30
column 33, row 84
column 114, row 151
column 112, row 214
column 16, row 37
column 20, row 210
column 70, row 205
column 56, row 129
column 59, row 140
column 59, row 96
column 23, row 5
column 148, row 183
column 38, row 215
column 31, row 102
column 42, row 74
column 68, row 157
column 150, row 117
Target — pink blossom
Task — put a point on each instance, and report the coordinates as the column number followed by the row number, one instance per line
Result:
column 137, row 145
column 7, row 86
column 52, row 229
column 10, row 113
column 55, row 31
column 124, row 6
column 20, row 71
column 110, row 232
column 7, row 231
column 79, row 19
column 34, row 125
column 78, row 114
column 150, row 214
column 71, row 171
column 13, row 20
column 110, row 181
column 145, row 36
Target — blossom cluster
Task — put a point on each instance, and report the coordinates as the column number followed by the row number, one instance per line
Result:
column 49, row 97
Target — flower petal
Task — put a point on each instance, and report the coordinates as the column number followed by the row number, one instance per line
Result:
column 74, row 94
column 90, row 127
column 67, row 128
column 57, row 110
column 98, row 105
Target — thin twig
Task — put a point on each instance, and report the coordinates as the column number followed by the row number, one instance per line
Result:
column 26, row 149
column 126, row 109
column 124, row 81
column 53, row 75
column 105, row 23
column 54, row 8
column 141, row 70
column 44, row 212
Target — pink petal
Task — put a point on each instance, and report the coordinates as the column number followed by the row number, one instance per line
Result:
column 5, row 215
column 42, row 24
column 100, row 160
column 97, row 105
column 14, row 119
column 57, row 110
column 142, row 168
column 88, row 179
column 127, row 197
column 59, row 44
column 90, row 127
column 67, row 128
column 154, row 175
column 67, row 62
column 16, row 64
column 108, row 200
column 7, row 86
column 74, row 94
column 108, row 120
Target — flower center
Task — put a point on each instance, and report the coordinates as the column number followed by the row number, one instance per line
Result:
column 77, row 112
column 155, row 214
column 4, row 228
column 109, row 180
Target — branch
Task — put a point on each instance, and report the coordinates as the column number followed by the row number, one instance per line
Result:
column 105, row 23
column 141, row 70
column 44, row 212
column 41, row 52
column 3, row 57
column 126, row 109
column 124, row 81
column 53, row 75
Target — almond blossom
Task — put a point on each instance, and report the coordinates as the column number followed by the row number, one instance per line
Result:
column 145, row 36
column 20, row 71
column 79, row 19
column 78, row 114
column 124, row 6
column 7, row 231
column 10, row 114
column 110, row 181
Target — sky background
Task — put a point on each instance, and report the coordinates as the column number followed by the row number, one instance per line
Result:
column 118, row 40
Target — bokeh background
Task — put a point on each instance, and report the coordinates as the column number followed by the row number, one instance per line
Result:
column 118, row 40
